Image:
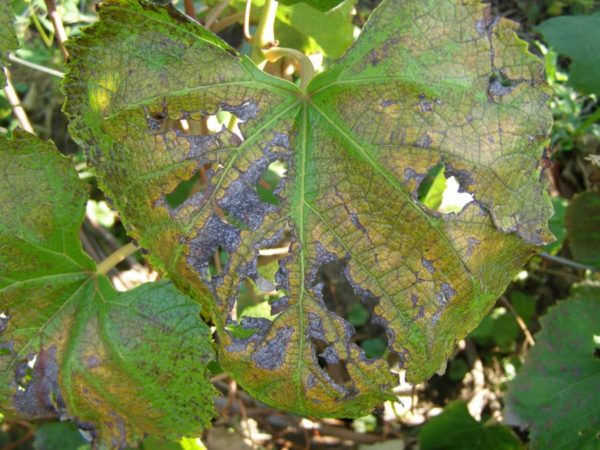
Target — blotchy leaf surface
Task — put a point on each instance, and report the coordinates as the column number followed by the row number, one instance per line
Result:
column 556, row 392
column 8, row 39
column 119, row 364
column 427, row 82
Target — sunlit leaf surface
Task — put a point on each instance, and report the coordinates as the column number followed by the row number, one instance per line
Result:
column 8, row 39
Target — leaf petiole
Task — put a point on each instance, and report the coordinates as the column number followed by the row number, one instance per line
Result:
column 115, row 258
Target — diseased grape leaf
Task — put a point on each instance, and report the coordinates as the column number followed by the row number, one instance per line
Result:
column 456, row 429
column 8, row 39
column 119, row 364
column 582, row 221
column 427, row 82
column 556, row 392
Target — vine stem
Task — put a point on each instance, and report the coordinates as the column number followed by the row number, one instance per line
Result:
column 522, row 325
column 265, row 32
column 115, row 258
column 59, row 29
column 566, row 262
column 55, row 73
column 15, row 103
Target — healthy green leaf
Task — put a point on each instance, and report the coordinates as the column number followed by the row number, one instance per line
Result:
column 427, row 82
column 456, row 429
column 577, row 37
column 119, row 364
column 321, row 5
column 8, row 39
column 583, row 228
column 555, row 392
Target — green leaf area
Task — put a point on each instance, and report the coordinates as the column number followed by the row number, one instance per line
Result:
column 583, row 228
column 427, row 82
column 321, row 5
column 456, row 429
column 577, row 37
column 119, row 364
column 8, row 39
column 556, row 391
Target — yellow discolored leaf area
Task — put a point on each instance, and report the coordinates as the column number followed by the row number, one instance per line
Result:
column 427, row 82
column 120, row 365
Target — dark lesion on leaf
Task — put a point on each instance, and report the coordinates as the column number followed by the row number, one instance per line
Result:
column 37, row 390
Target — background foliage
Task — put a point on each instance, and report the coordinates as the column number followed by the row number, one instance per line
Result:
column 498, row 389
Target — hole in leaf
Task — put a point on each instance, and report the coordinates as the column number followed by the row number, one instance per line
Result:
column 3, row 321
column 330, row 362
column 24, row 373
column 440, row 193
column 340, row 297
column 500, row 85
column 187, row 188
column 195, row 124
column 219, row 260
column 269, row 182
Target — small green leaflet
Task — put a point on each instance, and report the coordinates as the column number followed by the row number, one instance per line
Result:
column 427, row 82
column 119, row 364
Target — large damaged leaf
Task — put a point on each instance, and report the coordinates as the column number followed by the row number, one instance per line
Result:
column 427, row 83
column 8, row 39
column 119, row 364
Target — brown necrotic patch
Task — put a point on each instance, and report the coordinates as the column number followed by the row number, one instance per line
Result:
column 38, row 393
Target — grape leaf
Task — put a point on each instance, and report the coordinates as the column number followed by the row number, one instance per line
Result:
column 577, row 37
column 119, row 364
column 427, row 82
column 555, row 392
column 583, row 228
column 456, row 429
column 8, row 39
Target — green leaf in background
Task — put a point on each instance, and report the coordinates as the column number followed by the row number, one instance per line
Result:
column 321, row 5
column 577, row 37
column 583, row 228
column 556, row 392
column 332, row 31
column 59, row 436
column 8, row 39
column 311, row 30
column 456, row 429
column 499, row 327
column 120, row 364
column 355, row 145
column 557, row 224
